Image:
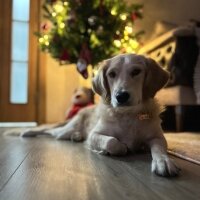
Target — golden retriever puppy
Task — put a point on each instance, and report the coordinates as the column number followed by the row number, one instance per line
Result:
column 127, row 116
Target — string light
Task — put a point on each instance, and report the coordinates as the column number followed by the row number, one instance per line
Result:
column 124, row 45
column 47, row 43
column 62, row 25
column 46, row 37
column 134, row 44
column 126, row 37
column 65, row 3
column 113, row 12
column 95, row 41
column 63, row 17
column 58, row 7
column 117, row 43
column 53, row 14
column 117, row 32
column 41, row 40
column 123, row 16
column 129, row 29
column 126, row 32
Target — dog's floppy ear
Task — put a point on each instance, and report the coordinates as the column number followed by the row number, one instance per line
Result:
column 100, row 83
column 155, row 78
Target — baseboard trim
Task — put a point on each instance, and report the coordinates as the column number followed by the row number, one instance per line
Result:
column 18, row 124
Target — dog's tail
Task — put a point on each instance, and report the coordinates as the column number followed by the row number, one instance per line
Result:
column 15, row 132
column 33, row 131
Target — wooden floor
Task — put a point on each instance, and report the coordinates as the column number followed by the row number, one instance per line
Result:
column 45, row 169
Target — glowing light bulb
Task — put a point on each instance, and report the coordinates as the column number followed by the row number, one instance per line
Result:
column 126, row 32
column 41, row 40
column 126, row 37
column 46, row 37
column 53, row 14
column 134, row 44
column 117, row 43
column 47, row 43
column 65, row 3
column 117, row 32
column 113, row 12
column 62, row 25
column 58, row 8
column 129, row 29
column 123, row 17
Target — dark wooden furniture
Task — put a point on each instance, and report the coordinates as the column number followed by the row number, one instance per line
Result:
column 162, row 49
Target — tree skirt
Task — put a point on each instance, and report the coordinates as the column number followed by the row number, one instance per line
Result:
column 184, row 145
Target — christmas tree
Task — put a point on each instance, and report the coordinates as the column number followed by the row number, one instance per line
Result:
column 88, row 31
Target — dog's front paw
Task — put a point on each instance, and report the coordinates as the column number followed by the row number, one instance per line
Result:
column 164, row 166
column 116, row 148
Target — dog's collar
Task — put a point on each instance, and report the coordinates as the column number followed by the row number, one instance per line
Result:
column 143, row 116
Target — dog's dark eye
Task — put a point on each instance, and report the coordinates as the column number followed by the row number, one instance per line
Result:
column 112, row 74
column 135, row 72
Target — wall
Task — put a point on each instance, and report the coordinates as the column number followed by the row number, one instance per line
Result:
column 61, row 81
column 174, row 12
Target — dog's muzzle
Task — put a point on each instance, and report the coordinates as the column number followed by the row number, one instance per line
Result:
column 122, row 97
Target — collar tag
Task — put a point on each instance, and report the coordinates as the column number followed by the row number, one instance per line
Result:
column 143, row 116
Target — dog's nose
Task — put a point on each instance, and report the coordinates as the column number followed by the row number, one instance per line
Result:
column 122, row 97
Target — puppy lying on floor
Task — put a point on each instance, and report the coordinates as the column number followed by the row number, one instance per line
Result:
column 127, row 116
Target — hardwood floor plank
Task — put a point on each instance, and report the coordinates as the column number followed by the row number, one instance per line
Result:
column 117, row 180
column 12, row 154
column 43, row 168
column 62, row 170
column 186, row 186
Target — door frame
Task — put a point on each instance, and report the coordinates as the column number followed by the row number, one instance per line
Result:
column 40, row 75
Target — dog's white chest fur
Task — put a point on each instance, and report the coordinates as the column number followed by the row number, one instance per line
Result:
column 123, row 127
